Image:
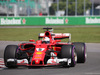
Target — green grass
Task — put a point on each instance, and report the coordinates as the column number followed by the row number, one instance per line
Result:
column 79, row 34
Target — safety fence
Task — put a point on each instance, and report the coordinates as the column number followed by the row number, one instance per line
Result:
column 49, row 7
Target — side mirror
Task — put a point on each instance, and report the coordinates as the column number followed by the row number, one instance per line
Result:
column 31, row 40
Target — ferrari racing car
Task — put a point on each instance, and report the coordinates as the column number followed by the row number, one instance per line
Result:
column 47, row 50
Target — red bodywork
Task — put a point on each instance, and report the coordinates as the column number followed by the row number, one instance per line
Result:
column 40, row 48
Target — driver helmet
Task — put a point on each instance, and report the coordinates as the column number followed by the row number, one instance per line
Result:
column 51, row 31
column 46, row 39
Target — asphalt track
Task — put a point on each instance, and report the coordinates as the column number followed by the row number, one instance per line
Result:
column 91, row 67
column 55, row 26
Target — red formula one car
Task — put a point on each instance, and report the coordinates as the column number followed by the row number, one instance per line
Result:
column 47, row 51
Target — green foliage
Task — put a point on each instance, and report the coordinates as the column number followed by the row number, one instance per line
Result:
column 51, row 11
column 71, row 6
column 62, row 6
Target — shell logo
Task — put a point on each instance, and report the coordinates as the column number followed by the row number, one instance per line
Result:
column 39, row 52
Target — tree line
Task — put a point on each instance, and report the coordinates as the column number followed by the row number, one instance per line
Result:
column 71, row 6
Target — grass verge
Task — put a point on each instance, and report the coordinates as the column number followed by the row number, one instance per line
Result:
column 79, row 34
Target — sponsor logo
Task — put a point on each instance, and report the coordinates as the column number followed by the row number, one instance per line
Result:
column 37, row 57
column 92, row 20
column 66, row 20
column 24, row 21
column 54, row 21
column 39, row 52
column 6, row 21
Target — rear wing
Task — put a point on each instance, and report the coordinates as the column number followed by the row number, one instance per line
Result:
column 57, row 36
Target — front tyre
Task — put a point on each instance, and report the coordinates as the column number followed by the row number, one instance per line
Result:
column 68, row 51
column 81, row 51
column 10, row 53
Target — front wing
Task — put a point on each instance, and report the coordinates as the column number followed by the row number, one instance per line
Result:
column 49, row 62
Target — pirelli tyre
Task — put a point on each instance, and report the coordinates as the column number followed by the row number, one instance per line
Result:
column 81, row 51
column 68, row 51
column 10, row 53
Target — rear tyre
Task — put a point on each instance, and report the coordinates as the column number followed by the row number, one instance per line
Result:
column 68, row 51
column 81, row 51
column 10, row 53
